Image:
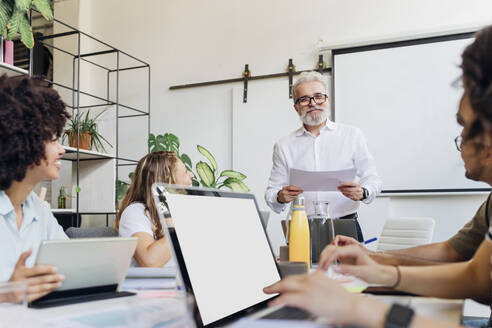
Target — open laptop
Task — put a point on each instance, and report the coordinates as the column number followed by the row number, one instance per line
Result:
column 93, row 268
column 223, row 253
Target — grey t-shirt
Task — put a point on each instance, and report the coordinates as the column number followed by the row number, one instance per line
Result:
column 468, row 239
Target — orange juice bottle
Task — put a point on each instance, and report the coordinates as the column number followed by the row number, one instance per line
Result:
column 299, row 239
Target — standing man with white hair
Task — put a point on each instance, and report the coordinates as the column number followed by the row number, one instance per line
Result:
column 322, row 145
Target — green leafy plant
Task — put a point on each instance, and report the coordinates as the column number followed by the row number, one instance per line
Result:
column 227, row 178
column 13, row 17
column 122, row 187
column 85, row 124
column 169, row 142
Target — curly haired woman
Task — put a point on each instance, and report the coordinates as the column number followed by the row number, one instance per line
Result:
column 31, row 120
column 138, row 215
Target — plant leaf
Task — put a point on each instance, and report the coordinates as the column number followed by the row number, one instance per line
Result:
column 26, row 32
column 208, row 155
column 206, row 174
column 6, row 9
column 121, row 188
column 44, row 8
column 151, row 142
column 23, row 5
column 187, row 161
column 171, row 143
column 236, row 185
column 14, row 23
column 233, row 174
column 195, row 183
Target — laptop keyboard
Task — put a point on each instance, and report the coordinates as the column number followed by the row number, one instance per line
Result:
column 288, row 313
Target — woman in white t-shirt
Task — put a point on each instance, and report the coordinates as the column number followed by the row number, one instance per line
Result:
column 138, row 215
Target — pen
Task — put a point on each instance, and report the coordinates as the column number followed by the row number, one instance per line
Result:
column 368, row 241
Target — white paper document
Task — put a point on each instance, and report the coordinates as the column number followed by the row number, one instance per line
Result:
column 168, row 271
column 320, row 180
column 148, row 283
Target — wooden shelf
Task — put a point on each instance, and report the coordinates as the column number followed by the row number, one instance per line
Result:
column 12, row 70
column 71, row 154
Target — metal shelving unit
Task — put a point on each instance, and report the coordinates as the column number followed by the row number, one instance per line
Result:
column 113, row 71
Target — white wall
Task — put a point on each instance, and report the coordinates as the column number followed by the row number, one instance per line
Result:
column 194, row 41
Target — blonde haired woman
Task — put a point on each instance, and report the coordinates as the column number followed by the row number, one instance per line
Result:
column 138, row 215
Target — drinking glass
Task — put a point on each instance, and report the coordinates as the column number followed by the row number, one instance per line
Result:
column 13, row 305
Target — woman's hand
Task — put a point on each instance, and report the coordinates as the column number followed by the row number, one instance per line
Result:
column 355, row 261
column 40, row 279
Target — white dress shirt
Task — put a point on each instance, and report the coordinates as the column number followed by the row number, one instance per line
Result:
column 338, row 147
column 37, row 225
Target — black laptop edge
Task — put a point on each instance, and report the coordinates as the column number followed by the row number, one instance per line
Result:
column 159, row 197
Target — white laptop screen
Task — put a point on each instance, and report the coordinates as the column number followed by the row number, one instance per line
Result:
column 225, row 250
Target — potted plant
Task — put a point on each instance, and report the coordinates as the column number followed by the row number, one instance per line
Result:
column 13, row 17
column 89, row 137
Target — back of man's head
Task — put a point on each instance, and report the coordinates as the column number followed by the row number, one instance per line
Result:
column 477, row 75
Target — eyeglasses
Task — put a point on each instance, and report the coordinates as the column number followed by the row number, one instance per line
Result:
column 319, row 98
column 458, row 141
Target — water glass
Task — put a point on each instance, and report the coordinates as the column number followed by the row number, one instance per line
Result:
column 13, row 305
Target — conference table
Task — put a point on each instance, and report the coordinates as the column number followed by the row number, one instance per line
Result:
column 167, row 308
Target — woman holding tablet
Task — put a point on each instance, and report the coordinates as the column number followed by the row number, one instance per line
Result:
column 138, row 215
column 32, row 118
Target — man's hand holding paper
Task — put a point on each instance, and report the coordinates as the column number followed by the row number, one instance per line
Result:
column 288, row 193
column 351, row 190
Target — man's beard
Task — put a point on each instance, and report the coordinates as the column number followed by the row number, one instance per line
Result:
column 314, row 119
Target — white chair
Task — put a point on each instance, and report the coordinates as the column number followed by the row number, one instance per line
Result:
column 407, row 232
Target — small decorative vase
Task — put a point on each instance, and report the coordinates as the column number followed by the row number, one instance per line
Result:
column 8, row 52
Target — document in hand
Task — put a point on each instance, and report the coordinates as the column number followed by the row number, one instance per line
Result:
column 320, row 180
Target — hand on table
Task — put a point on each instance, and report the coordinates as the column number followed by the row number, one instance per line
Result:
column 351, row 190
column 40, row 279
column 288, row 193
column 355, row 261
column 315, row 293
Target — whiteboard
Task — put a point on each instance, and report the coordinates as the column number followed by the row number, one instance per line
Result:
column 403, row 98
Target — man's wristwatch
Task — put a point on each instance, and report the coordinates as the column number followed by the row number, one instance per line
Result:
column 365, row 193
column 399, row 316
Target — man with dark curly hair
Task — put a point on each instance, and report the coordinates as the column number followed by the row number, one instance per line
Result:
column 32, row 118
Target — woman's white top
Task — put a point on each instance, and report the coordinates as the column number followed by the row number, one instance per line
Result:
column 135, row 219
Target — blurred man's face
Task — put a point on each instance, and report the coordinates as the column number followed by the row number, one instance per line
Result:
column 475, row 150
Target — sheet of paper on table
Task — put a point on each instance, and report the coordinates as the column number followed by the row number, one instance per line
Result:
column 169, row 271
column 320, row 180
column 148, row 283
column 133, row 312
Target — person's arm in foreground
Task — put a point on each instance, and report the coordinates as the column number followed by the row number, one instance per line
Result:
column 455, row 280
column 430, row 254
column 150, row 252
column 324, row 297
column 40, row 279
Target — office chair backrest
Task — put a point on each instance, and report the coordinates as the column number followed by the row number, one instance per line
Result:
column 406, row 232
column 73, row 232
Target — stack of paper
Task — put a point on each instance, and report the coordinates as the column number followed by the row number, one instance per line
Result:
column 150, row 278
